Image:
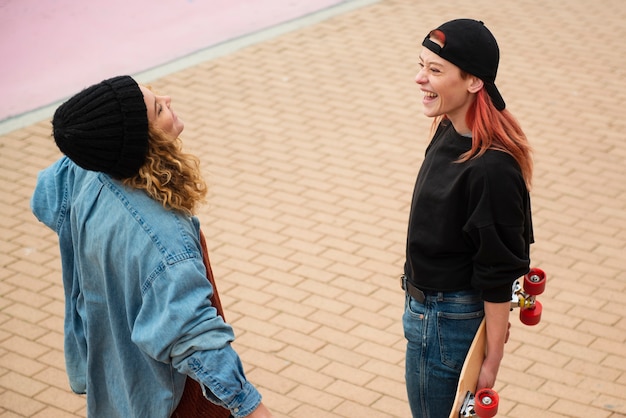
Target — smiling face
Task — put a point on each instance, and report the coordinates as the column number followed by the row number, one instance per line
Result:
column 160, row 113
column 447, row 91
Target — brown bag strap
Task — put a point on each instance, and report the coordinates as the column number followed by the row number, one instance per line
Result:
column 215, row 299
column 193, row 404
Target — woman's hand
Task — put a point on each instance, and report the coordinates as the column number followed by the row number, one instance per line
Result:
column 488, row 374
column 260, row 412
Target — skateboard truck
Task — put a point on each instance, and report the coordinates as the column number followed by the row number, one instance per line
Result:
column 525, row 297
column 484, row 404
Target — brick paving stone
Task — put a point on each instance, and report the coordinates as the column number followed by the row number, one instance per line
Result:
column 19, row 405
column 61, row 399
column 569, row 408
column 50, row 411
column 311, row 141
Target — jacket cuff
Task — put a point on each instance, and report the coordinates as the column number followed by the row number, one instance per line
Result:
column 246, row 401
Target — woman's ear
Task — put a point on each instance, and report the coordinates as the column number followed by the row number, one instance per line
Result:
column 475, row 84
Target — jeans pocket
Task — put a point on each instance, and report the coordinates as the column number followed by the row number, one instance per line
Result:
column 456, row 332
column 413, row 320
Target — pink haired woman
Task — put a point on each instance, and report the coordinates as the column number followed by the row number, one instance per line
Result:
column 470, row 226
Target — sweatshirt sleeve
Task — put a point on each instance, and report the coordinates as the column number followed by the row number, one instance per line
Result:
column 499, row 226
column 498, row 261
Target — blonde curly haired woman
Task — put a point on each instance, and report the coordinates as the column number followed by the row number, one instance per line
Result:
column 144, row 331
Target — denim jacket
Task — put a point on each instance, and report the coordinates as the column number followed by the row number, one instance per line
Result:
column 138, row 319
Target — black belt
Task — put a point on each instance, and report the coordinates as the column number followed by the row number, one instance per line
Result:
column 415, row 293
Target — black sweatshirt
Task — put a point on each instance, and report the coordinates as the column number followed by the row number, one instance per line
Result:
column 470, row 224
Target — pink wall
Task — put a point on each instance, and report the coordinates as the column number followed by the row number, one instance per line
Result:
column 49, row 49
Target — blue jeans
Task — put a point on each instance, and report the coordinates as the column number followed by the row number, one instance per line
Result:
column 439, row 333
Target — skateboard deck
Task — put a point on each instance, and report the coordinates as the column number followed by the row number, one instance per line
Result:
column 471, row 401
column 470, row 370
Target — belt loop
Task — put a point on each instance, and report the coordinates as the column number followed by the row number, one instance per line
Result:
column 415, row 293
column 403, row 283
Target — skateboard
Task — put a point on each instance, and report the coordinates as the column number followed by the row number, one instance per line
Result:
column 483, row 403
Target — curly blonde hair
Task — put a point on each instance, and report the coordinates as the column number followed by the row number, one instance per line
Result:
column 169, row 175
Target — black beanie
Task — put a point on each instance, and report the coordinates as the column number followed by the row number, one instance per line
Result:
column 105, row 127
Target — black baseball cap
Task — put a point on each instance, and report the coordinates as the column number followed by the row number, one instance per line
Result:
column 470, row 46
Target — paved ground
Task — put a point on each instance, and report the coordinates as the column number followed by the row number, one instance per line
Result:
column 311, row 141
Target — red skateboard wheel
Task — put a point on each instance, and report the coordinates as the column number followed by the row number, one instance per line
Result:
column 486, row 403
column 535, row 282
column 532, row 315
